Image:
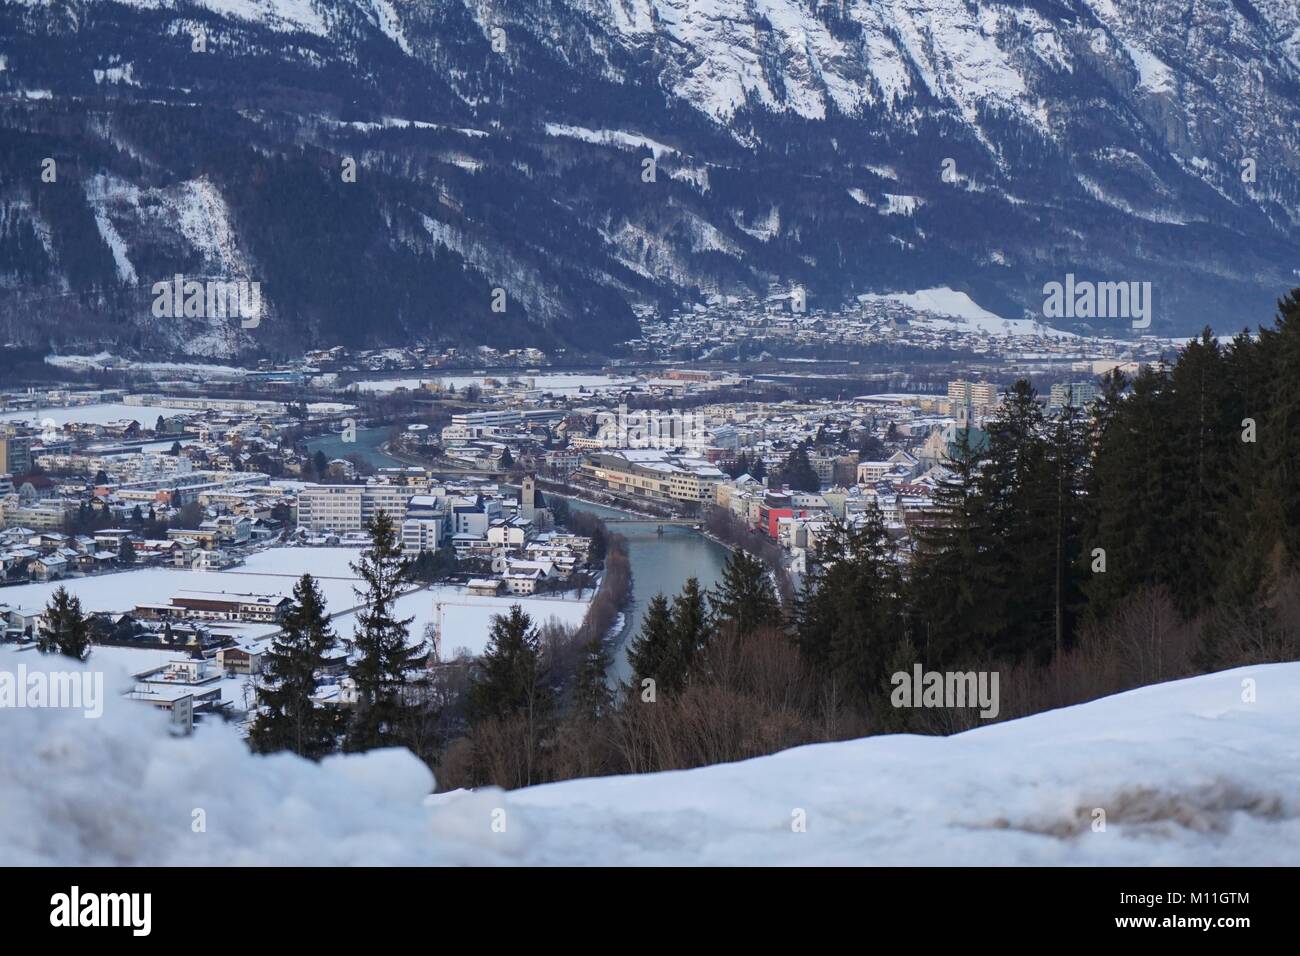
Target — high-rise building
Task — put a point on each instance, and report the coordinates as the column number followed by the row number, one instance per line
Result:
column 980, row 396
column 15, row 452
column 343, row 508
column 1075, row 394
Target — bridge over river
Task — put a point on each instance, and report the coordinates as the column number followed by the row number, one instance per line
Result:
column 679, row 522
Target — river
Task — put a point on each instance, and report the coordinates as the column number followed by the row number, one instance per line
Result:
column 661, row 563
column 366, row 445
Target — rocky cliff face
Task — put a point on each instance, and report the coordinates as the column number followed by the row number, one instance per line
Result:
column 586, row 157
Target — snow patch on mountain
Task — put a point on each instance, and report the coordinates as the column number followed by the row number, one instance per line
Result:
column 610, row 137
column 896, row 205
column 279, row 15
column 764, row 227
column 781, row 54
column 103, row 192
column 117, row 74
column 1154, row 75
column 203, row 218
column 390, row 24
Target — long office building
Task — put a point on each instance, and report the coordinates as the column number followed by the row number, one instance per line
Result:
column 344, row 508
column 655, row 474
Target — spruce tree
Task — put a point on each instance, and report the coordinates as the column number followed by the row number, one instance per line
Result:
column 65, row 629
column 952, row 572
column 851, row 612
column 1202, row 457
column 651, row 650
column 690, row 631
column 1279, row 428
column 592, row 696
column 797, row 471
column 1068, row 457
column 508, row 678
column 382, row 662
column 1019, row 488
column 745, row 597
column 1131, row 491
column 672, row 637
column 1252, row 507
column 288, row 719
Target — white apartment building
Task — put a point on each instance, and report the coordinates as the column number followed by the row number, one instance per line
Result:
column 982, row 395
column 507, row 534
column 421, row 534
column 344, row 508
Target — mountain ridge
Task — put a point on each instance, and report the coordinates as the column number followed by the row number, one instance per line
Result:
column 847, row 147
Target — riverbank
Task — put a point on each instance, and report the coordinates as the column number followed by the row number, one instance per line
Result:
column 660, row 564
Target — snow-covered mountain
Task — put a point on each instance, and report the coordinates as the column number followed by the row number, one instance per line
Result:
column 852, row 146
column 1204, row 771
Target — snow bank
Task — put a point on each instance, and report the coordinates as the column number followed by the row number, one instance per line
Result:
column 1186, row 772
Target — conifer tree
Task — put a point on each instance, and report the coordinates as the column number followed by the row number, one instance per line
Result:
column 1252, row 510
column 1280, row 422
column 65, row 629
column 1067, row 458
column 851, row 612
column 1131, row 494
column 745, row 597
column 383, row 662
column 951, row 570
column 1202, row 458
column 651, row 650
column 797, row 471
column 592, row 696
column 672, row 637
column 288, row 719
column 690, row 630
column 509, row 678
column 1019, row 487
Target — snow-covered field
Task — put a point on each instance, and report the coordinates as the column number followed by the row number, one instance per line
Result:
column 466, row 619
column 962, row 313
column 99, row 414
column 108, row 360
column 560, row 383
column 1187, row 773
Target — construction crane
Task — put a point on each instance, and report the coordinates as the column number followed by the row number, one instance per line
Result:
column 437, row 621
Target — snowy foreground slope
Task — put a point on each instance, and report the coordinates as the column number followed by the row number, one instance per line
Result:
column 1187, row 773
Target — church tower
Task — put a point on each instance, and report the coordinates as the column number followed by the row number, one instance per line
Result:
column 527, row 498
